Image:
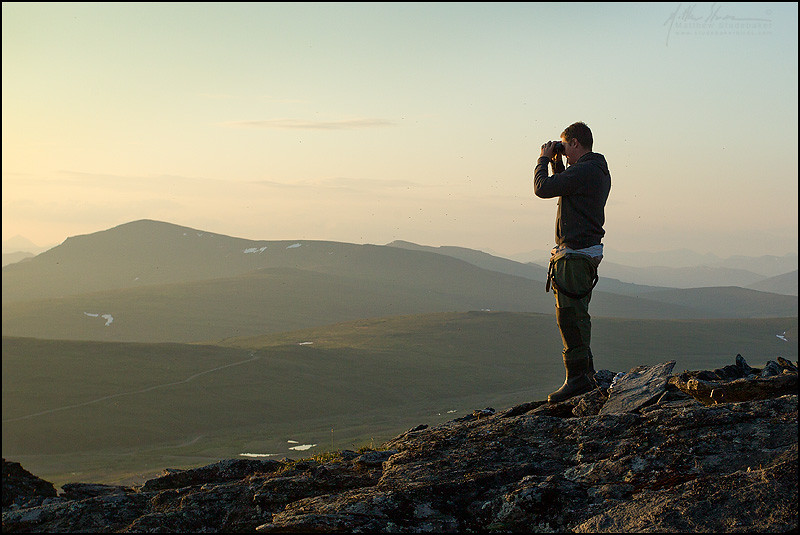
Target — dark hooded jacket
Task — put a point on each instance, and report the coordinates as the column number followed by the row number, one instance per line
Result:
column 582, row 189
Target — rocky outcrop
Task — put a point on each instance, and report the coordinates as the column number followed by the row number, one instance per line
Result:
column 642, row 452
column 23, row 489
column 739, row 382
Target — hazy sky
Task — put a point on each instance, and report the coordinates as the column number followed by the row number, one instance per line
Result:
column 368, row 123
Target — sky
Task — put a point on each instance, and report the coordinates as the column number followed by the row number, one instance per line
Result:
column 375, row 122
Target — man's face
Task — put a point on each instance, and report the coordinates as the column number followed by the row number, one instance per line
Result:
column 570, row 149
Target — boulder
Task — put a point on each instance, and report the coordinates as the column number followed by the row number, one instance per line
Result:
column 640, row 387
column 23, row 489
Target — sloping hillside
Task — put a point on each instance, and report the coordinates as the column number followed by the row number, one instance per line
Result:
column 785, row 284
column 13, row 258
column 731, row 301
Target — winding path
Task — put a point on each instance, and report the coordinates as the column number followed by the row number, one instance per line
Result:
column 143, row 390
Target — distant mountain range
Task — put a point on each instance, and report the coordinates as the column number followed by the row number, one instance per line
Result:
column 638, row 280
column 19, row 248
column 784, row 284
column 152, row 281
column 20, row 243
column 680, row 268
column 765, row 265
column 13, row 258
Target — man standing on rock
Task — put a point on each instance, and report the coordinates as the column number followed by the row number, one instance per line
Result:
column 582, row 190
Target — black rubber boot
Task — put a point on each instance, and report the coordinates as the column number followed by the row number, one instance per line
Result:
column 580, row 379
column 591, row 366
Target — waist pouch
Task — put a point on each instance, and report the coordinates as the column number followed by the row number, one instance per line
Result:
column 551, row 280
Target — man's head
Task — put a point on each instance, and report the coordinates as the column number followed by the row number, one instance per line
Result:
column 577, row 139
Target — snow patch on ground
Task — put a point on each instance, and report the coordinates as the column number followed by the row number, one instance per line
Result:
column 302, row 447
column 108, row 317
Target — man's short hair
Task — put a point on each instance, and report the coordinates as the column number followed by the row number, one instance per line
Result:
column 580, row 132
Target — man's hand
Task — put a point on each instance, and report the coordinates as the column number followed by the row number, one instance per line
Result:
column 548, row 150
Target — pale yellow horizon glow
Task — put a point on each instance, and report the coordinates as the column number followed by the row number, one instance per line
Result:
column 368, row 123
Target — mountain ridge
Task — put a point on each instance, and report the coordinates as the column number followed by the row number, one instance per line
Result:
column 162, row 282
column 632, row 280
column 695, row 270
column 785, row 284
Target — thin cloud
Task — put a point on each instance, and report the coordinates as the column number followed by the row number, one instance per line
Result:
column 363, row 185
column 270, row 98
column 360, row 183
column 297, row 124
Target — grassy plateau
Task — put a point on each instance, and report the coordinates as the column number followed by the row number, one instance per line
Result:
column 115, row 412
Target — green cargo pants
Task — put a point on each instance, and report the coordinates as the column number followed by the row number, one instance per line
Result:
column 575, row 274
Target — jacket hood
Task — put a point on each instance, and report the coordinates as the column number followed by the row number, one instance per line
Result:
column 594, row 158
